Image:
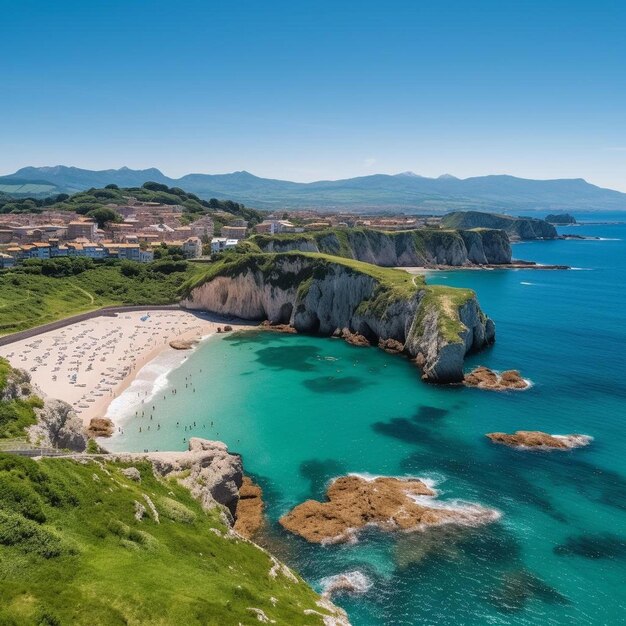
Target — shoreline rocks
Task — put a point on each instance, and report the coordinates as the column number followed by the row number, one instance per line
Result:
column 537, row 440
column 249, row 512
column 391, row 504
column 183, row 344
column 100, row 427
column 484, row 378
column 352, row 583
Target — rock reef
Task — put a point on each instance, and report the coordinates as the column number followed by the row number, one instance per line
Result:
column 183, row 344
column 389, row 503
column 537, row 440
column 318, row 294
column 485, row 378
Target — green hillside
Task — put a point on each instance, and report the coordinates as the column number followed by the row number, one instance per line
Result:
column 72, row 551
column 29, row 297
column 92, row 199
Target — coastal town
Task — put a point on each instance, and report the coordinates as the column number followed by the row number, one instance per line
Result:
column 146, row 226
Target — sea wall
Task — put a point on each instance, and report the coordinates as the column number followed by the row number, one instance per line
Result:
column 426, row 247
column 318, row 294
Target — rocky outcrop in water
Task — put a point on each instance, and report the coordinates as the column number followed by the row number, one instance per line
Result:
column 485, row 378
column 389, row 503
column 524, row 228
column 249, row 513
column 535, row 439
column 426, row 247
column 435, row 325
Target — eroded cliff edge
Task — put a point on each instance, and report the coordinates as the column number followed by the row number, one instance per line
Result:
column 319, row 294
column 425, row 247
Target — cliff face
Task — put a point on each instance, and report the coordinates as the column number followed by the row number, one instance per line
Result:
column 318, row 294
column 425, row 247
column 516, row 227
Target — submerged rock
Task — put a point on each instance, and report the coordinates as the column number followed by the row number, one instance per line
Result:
column 249, row 512
column 388, row 503
column 535, row 439
column 485, row 378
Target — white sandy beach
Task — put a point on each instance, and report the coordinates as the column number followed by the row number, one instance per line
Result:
column 88, row 364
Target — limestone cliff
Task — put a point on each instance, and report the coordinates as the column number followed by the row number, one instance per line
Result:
column 516, row 227
column 426, row 247
column 319, row 294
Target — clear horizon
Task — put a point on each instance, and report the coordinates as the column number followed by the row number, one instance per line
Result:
column 308, row 92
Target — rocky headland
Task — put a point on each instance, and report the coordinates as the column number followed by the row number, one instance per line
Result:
column 517, row 228
column 484, row 378
column 318, row 294
column 428, row 247
column 391, row 504
column 537, row 440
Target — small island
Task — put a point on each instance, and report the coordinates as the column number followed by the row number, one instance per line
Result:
column 561, row 219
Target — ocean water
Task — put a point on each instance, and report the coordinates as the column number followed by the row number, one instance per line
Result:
column 302, row 410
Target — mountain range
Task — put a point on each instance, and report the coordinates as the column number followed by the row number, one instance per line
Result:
column 405, row 191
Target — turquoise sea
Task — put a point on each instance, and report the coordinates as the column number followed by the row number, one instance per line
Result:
column 302, row 410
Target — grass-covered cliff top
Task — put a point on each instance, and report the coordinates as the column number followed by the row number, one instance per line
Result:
column 346, row 235
column 319, row 264
column 73, row 552
column 392, row 284
column 38, row 293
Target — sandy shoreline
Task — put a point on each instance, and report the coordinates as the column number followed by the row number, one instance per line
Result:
column 90, row 363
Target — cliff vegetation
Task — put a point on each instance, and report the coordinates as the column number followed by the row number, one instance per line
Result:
column 90, row 542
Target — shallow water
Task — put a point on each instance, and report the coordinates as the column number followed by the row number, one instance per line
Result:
column 302, row 410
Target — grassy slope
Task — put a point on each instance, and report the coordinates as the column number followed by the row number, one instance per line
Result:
column 393, row 284
column 72, row 552
column 28, row 300
column 15, row 415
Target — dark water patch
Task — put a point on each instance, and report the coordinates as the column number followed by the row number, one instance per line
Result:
column 430, row 414
column 296, row 358
column 593, row 546
column 491, row 545
column 518, row 587
column 335, row 384
column 319, row 473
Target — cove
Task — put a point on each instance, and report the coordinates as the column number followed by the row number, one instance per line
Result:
column 302, row 410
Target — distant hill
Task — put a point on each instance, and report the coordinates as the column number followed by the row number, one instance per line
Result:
column 515, row 227
column 406, row 191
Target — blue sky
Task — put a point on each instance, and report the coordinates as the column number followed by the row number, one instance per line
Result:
column 313, row 90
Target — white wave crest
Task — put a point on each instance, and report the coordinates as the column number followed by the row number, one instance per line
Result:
column 354, row 583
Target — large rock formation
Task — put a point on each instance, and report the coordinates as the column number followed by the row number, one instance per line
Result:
column 388, row 503
column 516, row 227
column 249, row 513
column 436, row 325
column 535, row 439
column 426, row 247
column 58, row 426
column 211, row 473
